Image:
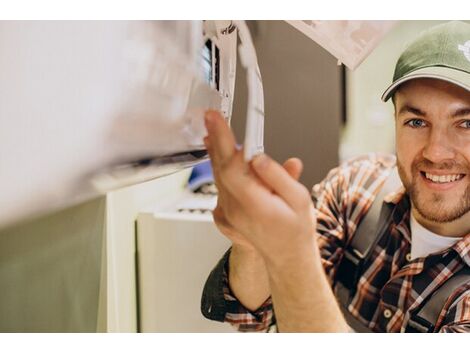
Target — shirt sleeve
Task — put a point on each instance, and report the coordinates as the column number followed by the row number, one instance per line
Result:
column 219, row 303
column 328, row 198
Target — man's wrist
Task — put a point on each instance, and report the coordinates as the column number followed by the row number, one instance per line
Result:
column 245, row 251
column 247, row 277
column 302, row 296
column 248, row 255
column 292, row 259
column 296, row 268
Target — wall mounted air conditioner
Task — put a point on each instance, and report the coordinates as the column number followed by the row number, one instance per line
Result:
column 89, row 106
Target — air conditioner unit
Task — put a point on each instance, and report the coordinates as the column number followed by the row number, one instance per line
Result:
column 90, row 106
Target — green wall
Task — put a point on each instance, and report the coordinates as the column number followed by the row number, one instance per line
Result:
column 50, row 271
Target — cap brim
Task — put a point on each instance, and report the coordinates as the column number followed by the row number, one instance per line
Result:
column 450, row 75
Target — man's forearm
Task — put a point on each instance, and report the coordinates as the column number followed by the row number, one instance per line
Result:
column 302, row 296
column 248, row 278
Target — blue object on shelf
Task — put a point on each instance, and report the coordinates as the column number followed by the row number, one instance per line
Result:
column 201, row 175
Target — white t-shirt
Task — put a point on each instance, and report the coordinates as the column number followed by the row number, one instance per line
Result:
column 424, row 242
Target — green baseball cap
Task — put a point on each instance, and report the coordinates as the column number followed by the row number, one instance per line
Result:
column 441, row 52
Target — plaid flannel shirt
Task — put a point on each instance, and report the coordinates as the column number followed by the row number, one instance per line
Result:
column 391, row 285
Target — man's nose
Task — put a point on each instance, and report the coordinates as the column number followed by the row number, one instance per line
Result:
column 439, row 147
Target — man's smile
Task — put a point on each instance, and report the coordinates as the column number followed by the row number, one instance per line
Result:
column 441, row 180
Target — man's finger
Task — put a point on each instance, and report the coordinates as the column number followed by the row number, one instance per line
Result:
column 220, row 137
column 216, row 168
column 294, row 167
column 280, row 181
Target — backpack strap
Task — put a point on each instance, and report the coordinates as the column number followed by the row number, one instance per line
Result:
column 424, row 320
column 369, row 231
column 371, row 228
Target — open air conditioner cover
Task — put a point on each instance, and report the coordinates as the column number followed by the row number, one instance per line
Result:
column 86, row 106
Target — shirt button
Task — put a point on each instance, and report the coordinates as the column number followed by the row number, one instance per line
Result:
column 387, row 313
column 408, row 257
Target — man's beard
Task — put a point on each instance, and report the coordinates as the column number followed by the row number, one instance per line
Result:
column 435, row 208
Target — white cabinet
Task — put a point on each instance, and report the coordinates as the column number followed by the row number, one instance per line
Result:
column 176, row 250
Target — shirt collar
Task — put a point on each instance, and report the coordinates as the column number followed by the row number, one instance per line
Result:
column 401, row 216
column 462, row 247
column 400, row 200
column 395, row 196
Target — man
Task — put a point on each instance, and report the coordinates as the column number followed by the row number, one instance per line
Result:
column 281, row 269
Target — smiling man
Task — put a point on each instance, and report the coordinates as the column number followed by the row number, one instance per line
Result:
column 292, row 258
column 433, row 153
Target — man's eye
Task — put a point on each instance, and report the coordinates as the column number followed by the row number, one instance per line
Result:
column 416, row 123
column 465, row 124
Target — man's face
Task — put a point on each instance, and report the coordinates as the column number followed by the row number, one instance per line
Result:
column 433, row 147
